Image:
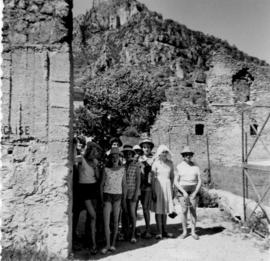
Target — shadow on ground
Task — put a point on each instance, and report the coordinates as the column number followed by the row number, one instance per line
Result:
column 82, row 253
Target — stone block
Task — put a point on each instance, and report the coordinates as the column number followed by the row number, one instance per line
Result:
column 59, row 133
column 58, row 174
column 60, row 66
column 59, row 94
column 59, row 116
column 58, row 152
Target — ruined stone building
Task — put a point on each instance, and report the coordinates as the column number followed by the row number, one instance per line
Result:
column 214, row 109
column 36, row 159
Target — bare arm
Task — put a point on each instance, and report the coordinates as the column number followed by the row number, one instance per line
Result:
column 78, row 159
column 138, row 183
column 102, row 184
column 194, row 194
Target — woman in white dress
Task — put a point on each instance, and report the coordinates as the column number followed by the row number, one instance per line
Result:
column 162, row 182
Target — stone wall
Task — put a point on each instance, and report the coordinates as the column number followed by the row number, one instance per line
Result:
column 36, row 173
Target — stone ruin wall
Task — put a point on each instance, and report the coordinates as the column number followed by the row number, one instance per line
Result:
column 36, row 174
column 221, row 119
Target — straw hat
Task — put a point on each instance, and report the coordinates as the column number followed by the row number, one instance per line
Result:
column 187, row 150
column 148, row 141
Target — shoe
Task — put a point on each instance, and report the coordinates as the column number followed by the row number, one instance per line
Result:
column 133, row 240
column 93, row 251
column 195, row 236
column 112, row 249
column 168, row 235
column 183, row 236
column 104, row 251
column 158, row 236
column 146, row 235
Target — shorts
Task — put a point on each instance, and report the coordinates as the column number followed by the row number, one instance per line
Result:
column 112, row 198
column 89, row 191
column 146, row 198
column 189, row 202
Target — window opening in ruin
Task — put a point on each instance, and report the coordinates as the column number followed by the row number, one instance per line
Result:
column 199, row 129
column 253, row 129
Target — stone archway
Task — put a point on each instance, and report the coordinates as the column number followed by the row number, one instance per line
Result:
column 37, row 129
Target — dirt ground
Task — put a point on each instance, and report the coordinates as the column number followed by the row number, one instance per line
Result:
column 220, row 240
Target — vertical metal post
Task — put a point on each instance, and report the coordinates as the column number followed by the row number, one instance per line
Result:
column 208, row 155
column 243, row 170
column 187, row 140
column 246, row 160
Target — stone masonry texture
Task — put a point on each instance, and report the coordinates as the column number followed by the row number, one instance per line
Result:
column 36, row 172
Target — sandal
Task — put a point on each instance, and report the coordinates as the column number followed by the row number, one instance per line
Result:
column 168, row 235
column 93, row 251
column 195, row 236
column 112, row 249
column 183, row 236
column 133, row 240
column 104, row 250
column 158, row 236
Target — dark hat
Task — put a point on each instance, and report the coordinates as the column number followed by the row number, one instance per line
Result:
column 137, row 147
column 147, row 140
column 127, row 148
column 116, row 139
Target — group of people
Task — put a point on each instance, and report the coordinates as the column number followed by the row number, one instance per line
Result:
column 110, row 186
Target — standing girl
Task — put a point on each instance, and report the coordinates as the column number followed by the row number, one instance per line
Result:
column 88, row 176
column 133, row 180
column 188, row 183
column 162, row 182
column 113, row 189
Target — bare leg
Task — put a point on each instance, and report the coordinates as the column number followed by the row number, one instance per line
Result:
column 132, row 212
column 159, row 223
column 92, row 213
column 193, row 217
column 116, row 211
column 164, row 223
column 146, row 211
column 184, row 213
column 106, row 215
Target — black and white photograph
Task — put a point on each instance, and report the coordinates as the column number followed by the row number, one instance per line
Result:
column 135, row 130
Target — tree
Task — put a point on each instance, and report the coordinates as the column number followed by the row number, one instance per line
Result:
column 119, row 100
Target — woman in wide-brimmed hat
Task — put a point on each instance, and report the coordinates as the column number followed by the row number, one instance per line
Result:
column 113, row 190
column 162, row 183
column 188, row 183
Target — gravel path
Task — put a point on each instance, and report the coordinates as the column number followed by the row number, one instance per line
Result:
column 220, row 240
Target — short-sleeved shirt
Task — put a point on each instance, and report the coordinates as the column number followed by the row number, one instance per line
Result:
column 113, row 180
column 146, row 164
column 131, row 178
column 187, row 175
column 86, row 173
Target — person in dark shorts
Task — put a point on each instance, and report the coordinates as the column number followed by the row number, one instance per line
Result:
column 188, row 183
column 113, row 190
column 88, row 176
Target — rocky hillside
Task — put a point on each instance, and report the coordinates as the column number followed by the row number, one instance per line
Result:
column 120, row 35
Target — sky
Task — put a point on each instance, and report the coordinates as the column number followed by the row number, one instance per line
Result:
column 244, row 23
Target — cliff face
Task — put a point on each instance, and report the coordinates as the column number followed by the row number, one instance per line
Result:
column 116, row 35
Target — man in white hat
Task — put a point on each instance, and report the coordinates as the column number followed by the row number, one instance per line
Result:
column 188, row 182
